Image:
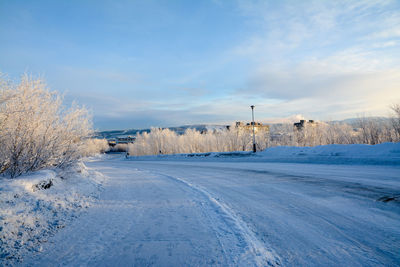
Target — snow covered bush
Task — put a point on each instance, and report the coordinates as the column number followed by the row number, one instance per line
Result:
column 362, row 131
column 165, row 141
column 158, row 141
column 395, row 120
column 36, row 130
column 94, row 146
column 339, row 133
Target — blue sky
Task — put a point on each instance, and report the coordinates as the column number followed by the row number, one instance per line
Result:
column 137, row 64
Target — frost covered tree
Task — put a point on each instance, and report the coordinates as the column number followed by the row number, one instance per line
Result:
column 339, row 133
column 165, row 141
column 373, row 131
column 282, row 135
column 93, row 146
column 395, row 120
column 36, row 130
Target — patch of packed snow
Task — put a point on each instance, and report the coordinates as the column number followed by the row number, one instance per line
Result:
column 34, row 206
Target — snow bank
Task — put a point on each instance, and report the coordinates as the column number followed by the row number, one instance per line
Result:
column 386, row 153
column 35, row 206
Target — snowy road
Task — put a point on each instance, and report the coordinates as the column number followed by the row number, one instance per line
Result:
column 191, row 213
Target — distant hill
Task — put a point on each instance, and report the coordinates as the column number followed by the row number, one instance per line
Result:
column 353, row 121
column 179, row 129
column 119, row 133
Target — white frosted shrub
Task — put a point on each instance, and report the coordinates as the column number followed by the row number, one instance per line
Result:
column 36, row 130
column 94, row 146
column 165, row 141
column 395, row 121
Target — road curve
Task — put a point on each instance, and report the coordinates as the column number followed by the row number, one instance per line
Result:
column 171, row 213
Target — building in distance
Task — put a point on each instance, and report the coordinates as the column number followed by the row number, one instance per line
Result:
column 258, row 126
column 303, row 123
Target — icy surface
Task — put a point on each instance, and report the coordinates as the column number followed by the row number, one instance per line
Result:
column 178, row 212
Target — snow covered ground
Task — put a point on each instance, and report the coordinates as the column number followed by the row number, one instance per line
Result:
column 35, row 206
column 238, row 209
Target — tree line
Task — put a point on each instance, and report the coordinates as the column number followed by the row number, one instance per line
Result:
column 362, row 131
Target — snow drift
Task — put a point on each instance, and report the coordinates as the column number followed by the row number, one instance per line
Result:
column 34, row 206
column 386, row 153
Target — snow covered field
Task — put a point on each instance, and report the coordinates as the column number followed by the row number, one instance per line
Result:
column 237, row 209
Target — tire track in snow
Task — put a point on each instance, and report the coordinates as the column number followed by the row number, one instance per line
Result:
column 254, row 248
